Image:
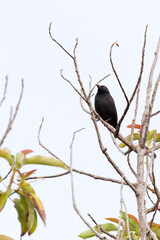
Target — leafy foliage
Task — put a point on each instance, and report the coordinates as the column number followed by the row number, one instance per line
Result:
column 26, row 203
column 134, row 229
column 136, row 136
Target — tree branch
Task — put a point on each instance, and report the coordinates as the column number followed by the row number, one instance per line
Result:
column 53, row 39
column 12, row 118
column 73, row 193
column 137, row 84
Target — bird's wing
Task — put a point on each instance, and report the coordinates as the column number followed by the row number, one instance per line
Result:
column 112, row 106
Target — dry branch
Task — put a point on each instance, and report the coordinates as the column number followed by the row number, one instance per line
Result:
column 13, row 116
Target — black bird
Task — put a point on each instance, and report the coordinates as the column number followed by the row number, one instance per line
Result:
column 105, row 106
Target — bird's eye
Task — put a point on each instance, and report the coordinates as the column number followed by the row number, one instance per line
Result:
column 104, row 88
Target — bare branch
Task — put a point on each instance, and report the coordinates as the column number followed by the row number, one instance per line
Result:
column 155, row 88
column 53, row 39
column 117, row 146
column 129, row 164
column 148, row 107
column 104, row 151
column 112, row 129
column 135, row 113
column 90, row 93
column 96, row 177
column 75, row 89
column 135, row 89
column 73, row 193
column 52, row 176
column 154, row 114
column 42, row 145
column 110, row 54
column 6, row 175
column 125, row 208
column 12, row 118
column 83, row 108
column 4, row 92
column 77, row 71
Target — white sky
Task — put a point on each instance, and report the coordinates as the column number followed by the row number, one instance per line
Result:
column 26, row 51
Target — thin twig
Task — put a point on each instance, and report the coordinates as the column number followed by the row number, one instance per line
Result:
column 135, row 112
column 114, row 70
column 5, row 91
column 12, row 117
column 129, row 164
column 42, row 145
column 155, row 88
column 77, row 71
column 76, row 90
column 125, row 208
column 90, row 92
column 98, row 226
column 137, row 84
column 73, row 192
column 49, row 177
column 7, row 175
column 154, row 114
column 83, row 108
column 148, row 105
column 53, row 39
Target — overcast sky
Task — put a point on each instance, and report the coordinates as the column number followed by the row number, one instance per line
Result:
column 26, row 51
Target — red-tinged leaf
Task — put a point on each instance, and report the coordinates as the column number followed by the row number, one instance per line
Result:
column 29, row 173
column 115, row 220
column 135, row 126
column 3, row 237
column 134, row 218
column 3, row 198
column 26, row 151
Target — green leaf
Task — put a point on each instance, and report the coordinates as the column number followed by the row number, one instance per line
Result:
column 3, row 237
column 20, row 159
column 21, row 215
column 50, row 161
column 133, row 225
column 107, row 227
column 150, row 135
column 36, row 202
column 158, row 137
column 26, row 215
column 3, row 198
column 136, row 136
column 27, row 187
column 34, row 225
column 156, row 229
column 4, row 154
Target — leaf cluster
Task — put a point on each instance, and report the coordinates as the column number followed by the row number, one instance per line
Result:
column 26, row 203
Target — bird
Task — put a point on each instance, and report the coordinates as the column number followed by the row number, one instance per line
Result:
column 105, row 106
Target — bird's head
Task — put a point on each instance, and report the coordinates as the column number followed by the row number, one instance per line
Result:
column 102, row 89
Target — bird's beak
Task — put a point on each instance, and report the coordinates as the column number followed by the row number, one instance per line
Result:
column 98, row 86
